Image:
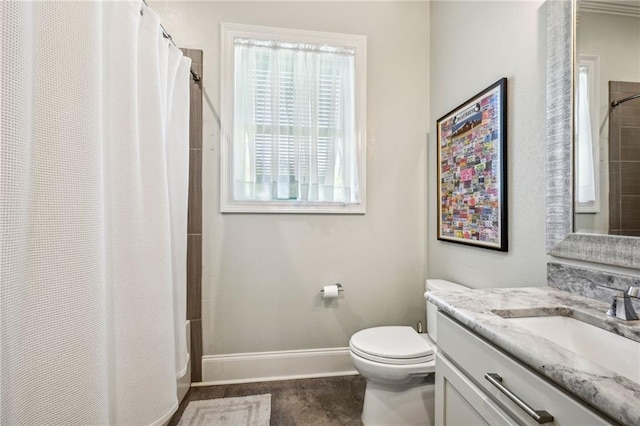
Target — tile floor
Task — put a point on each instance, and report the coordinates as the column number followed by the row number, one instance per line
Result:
column 327, row 401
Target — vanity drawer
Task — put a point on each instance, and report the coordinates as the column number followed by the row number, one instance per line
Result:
column 476, row 357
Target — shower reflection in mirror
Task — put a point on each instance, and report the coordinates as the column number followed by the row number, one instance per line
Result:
column 607, row 118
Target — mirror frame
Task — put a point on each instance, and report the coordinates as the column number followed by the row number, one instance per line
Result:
column 561, row 240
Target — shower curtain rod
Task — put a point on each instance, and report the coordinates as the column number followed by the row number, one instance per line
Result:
column 165, row 34
column 616, row 103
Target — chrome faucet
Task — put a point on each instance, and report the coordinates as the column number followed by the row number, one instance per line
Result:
column 621, row 306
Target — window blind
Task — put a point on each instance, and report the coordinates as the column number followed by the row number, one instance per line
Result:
column 294, row 122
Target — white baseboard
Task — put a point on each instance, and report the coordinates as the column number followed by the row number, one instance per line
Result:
column 269, row 366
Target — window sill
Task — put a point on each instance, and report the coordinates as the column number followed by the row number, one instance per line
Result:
column 283, row 207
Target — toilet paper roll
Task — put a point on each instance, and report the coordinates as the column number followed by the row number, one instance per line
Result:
column 330, row 292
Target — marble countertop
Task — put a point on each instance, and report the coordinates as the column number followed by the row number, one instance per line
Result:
column 608, row 392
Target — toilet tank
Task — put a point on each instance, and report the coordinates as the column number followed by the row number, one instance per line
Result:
column 431, row 308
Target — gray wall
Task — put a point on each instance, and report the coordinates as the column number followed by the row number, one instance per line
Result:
column 262, row 273
column 473, row 44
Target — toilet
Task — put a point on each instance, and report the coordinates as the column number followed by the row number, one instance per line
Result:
column 398, row 365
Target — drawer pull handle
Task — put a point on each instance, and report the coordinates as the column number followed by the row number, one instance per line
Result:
column 539, row 416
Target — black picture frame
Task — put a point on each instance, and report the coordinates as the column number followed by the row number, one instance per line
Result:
column 472, row 171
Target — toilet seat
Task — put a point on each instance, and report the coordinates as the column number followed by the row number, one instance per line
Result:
column 395, row 345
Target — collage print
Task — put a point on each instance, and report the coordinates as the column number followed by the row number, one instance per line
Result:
column 469, row 163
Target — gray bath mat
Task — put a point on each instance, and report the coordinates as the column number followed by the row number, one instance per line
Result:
column 254, row 410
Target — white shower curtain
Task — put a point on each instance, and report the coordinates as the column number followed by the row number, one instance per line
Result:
column 93, row 197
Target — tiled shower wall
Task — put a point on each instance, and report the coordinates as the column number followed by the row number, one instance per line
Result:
column 624, row 161
column 194, row 218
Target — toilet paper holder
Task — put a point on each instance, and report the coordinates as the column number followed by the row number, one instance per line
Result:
column 337, row 285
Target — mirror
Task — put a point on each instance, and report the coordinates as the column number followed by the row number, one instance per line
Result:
column 607, row 117
column 562, row 241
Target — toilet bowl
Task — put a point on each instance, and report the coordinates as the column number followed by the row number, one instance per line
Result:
column 398, row 365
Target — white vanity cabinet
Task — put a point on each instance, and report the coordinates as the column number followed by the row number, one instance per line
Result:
column 465, row 395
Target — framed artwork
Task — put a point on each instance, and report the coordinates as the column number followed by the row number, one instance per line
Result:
column 472, row 171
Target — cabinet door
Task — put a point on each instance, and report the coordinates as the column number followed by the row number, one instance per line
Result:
column 459, row 402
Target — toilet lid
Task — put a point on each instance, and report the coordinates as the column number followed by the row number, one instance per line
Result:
column 391, row 345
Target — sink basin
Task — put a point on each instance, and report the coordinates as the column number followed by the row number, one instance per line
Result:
column 610, row 350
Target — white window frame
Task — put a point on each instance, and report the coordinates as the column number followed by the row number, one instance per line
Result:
column 229, row 32
column 592, row 62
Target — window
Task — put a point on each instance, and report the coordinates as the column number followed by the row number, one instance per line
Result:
column 587, row 144
column 293, row 121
